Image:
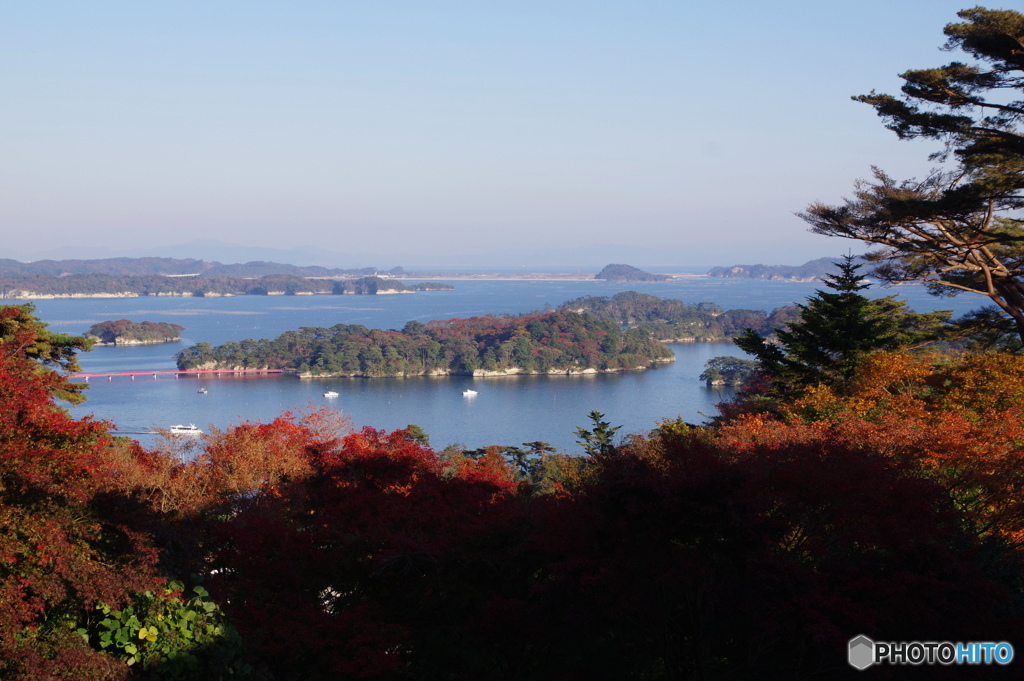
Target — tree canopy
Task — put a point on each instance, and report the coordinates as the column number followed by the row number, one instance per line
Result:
column 24, row 336
column 836, row 331
column 753, row 549
column 958, row 229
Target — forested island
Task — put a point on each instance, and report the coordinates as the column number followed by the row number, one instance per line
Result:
column 671, row 320
column 538, row 343
column 126, row 332
column 727, row 370
column 586, row 335
column 88, row 285
column 812, row 270
column 616, row 272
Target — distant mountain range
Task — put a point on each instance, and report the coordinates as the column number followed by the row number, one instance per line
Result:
column 586, row 257
column 209, row 250
column 124, row 267
column 119, row 277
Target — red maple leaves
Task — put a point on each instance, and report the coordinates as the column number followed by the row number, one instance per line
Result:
column 754, row 549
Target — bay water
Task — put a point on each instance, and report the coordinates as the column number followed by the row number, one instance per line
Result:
column 505, row 411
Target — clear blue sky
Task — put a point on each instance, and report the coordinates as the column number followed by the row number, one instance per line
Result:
column 418, row 128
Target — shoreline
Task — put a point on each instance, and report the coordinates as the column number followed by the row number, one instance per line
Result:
column 412, row 277
column 532, row 276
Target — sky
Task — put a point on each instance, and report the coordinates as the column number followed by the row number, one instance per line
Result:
column 413, row 131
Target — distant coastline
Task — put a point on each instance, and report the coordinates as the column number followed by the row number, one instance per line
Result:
column 812, row 270
column 53, row 288
column 47, row 287
column 532, row 276
column 160, row 277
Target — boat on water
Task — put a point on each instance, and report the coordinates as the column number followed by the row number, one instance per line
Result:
column 190, row 429
column 468, row 393
column 330, row 393
column 202, row 391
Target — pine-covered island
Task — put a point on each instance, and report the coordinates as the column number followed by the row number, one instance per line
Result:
column 126, row 332
column 550, row 342
column 587, row 335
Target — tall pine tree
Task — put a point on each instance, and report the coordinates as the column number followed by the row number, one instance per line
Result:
column 958, row 229
column 836, row 331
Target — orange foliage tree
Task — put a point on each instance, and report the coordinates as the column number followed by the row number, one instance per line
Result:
column 957, row 419
column 59, row 555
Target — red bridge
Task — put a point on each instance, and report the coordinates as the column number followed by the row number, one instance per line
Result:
column 175, row 372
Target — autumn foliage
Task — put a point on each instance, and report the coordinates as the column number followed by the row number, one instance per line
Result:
column 754, row 549
column 59, row 556
column 755, row 553
column 956, row 420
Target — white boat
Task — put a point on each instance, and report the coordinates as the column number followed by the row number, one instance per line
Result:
column 190, row 429
column 330, row 393
column 201, row 391
column 468, row 393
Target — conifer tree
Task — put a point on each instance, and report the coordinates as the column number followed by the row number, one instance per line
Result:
column 24, row 335
column 959, row 229
column 836, row 331
column 601, row 440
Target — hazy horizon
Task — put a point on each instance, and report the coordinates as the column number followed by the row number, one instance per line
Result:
column 586, row 260
column 409, row 133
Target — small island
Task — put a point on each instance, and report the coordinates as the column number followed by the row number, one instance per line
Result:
column 628, row 273
column 731, row 371
column 127, row 332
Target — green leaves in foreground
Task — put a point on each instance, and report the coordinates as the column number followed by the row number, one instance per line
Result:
column 170, row 636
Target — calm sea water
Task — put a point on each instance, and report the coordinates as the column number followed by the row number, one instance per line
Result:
column 507, row 411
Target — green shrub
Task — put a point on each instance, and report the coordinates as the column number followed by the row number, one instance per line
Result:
column 170, row 636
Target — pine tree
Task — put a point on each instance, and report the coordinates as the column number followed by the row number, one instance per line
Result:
column 959, row 229
column 601, row 440
column 836, row 331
